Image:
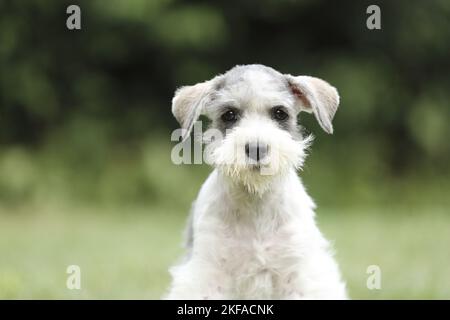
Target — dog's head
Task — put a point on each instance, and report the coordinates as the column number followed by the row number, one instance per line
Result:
column 254, row 136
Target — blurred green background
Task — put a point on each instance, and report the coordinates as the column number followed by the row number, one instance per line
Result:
column 85, row 122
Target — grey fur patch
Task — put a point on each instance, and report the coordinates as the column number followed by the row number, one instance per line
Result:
column 189, row 233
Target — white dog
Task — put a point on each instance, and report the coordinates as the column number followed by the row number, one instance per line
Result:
column 252, row 232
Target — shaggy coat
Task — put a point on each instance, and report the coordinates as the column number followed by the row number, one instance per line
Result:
column 252, row 232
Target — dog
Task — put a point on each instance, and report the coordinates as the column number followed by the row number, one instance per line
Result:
column 251, row 233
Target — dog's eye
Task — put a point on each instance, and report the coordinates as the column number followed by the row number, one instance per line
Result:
column 279, row 114
column 229, row 116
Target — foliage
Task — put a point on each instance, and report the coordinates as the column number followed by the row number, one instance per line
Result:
column 87, row 106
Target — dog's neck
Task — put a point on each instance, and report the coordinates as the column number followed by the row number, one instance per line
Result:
column 255, row 210
column 238, row 192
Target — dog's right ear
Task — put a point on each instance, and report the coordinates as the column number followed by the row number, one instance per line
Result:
column 188, row 104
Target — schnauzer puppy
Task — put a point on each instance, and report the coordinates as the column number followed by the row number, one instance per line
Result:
column 252, row 232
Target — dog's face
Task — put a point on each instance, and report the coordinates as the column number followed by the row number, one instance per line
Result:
column 254, row 136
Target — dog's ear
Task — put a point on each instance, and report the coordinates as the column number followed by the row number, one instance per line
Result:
column 188, row 104
column 315, row 96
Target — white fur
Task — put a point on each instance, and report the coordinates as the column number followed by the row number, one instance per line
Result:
column 254, row 234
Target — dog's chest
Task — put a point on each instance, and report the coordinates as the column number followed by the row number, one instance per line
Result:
column 259, row 257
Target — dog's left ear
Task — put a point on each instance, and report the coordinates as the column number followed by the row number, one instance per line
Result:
column 315, row 96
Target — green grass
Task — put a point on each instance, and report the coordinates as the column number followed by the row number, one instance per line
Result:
column 410, row 247
column 125, row 253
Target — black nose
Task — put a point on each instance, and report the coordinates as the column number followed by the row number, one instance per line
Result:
column 256, row 150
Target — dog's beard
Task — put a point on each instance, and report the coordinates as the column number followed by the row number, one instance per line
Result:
column 285, row 153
